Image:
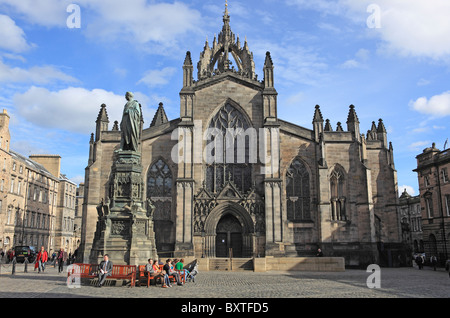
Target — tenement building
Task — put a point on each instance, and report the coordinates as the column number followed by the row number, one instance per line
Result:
column 228, row 178
column 411, row 221
column 433, row 166
column 37, row 202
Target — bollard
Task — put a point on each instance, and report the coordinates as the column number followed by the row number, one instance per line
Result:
column 14, row 266
column 25, row 270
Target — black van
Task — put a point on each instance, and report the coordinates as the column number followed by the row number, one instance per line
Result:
column 22, row 252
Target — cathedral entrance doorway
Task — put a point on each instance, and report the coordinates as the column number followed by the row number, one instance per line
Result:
column 228, row 237
column 229, row 232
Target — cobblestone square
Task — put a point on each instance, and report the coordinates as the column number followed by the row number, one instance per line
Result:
column 394, row 283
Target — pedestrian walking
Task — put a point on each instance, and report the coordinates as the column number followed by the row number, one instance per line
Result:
column 41, row 259
column 62, row 257
column 419, row 261
column 433, row 261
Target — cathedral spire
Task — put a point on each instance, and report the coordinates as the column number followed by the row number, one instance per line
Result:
column 225, row 14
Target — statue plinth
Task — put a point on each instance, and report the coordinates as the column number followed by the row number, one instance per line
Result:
column 125, row 225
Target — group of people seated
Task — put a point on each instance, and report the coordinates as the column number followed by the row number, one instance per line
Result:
column 171, row 268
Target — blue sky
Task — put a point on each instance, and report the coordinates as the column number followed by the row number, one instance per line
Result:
column 390, row 58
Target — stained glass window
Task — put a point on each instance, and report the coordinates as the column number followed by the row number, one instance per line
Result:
column 338, row 198
column 228, row 150
column 298, row 192
column 159, row 180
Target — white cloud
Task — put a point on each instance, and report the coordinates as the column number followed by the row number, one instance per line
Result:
column 410, row 190
column 73, row 109
column 323, row 6
column 12, row 37
column 48, row 13
column 361, row 57
column 157, row 77
column 351, row 64
column 36, row 74
column 409, row 28
column 438, row 105
column 418, row 145
column 423, row 82
column 132, row 21
column 294, row 63
column 139, row 22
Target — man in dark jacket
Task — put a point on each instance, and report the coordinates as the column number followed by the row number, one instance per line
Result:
column 104, row 270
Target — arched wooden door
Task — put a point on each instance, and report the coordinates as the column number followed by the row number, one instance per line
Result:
column 229, row 237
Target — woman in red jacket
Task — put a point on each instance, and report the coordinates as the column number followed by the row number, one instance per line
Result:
column 41, row 259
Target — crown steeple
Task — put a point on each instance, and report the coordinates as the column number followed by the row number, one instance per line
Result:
column 216, row 60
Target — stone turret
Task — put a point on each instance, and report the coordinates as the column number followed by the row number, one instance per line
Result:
column 101, row 122
column 188, row 70
column 317, row 123
column 353, row 123
column 381, row 133
column 160, row 116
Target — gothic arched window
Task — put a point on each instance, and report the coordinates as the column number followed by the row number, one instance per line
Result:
column 159, row 190
column 159, row 180
column 298, row 192
column 229, row 156
column 338, row 198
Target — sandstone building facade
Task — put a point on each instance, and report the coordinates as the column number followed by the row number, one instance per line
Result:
column 37, row 202
column 433, row 167
column 322, row 187
column 411, row 221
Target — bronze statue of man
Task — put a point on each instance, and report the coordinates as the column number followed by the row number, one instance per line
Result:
column 131, row 124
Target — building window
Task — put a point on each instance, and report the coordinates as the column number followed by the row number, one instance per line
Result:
column 8, row 216
column 338, row 198
column 298, row 192
column 447, row 204
column 429, row 205
column 11, row 189
column 17, row 218
column 444, row 175
column 159, row 180
column 427, row 181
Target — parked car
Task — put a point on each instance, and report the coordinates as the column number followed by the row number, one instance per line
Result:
column 22, row 252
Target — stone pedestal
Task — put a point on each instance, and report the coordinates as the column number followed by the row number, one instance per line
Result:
column 125, row 221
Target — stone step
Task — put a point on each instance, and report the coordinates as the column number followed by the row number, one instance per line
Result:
column 225, row 264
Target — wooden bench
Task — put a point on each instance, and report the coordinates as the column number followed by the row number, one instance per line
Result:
column 91, row 271
column 124, row 272
column 83, row 270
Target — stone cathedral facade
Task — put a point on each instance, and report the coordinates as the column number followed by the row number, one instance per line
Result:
column 319, row 187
